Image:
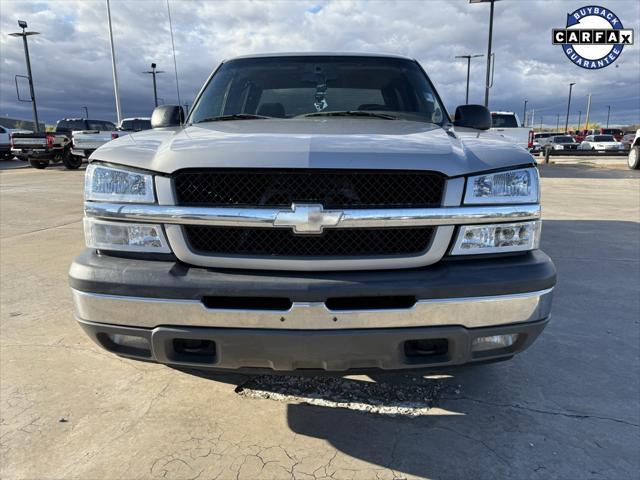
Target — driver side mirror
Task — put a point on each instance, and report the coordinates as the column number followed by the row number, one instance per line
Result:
column 167, row 116
column 472, row 116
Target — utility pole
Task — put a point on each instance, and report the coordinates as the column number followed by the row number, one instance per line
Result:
column 113, row 66
column 468, row 57
column 566, row 123
column 608, row 115
column 488, row 85
column 524, row 113
column 586, row 123
column 154, row 72
column 24, row 34
column 86, row 112
column 558, row 124
column 173, row 48
column 541, row 117
column 579, row 118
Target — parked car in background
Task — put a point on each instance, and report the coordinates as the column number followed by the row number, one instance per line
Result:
column 97, row 133
column 634, row 152
column 580, row 135
column 627, row 139
column 5, row 142
column 508, row 125
column 315, row 212
column 540, row 140
column 601, row 143
column 616, row 132
column 136, row 124
column 562, row 142
column 87, row 141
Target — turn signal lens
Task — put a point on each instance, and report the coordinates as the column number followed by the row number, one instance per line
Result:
column 499, row 238
column 121, row 236
column 493, row 342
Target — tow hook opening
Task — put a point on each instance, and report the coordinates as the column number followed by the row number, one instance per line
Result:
column 194, row 350
column 427, row 350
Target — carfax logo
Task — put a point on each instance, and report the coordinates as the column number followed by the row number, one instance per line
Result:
column 593, row 38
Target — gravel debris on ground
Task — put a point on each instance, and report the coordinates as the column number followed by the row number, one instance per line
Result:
column 408, row 399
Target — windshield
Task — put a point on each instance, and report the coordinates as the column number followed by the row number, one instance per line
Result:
column 563, row 139
column 68, row 125
column 135, row 125
column 604, row 138
column 290, row 87
column 500, row 120
column 100, row 125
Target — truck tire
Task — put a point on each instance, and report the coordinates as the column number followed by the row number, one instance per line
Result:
column 634, row 158
column 72, row 162
column 38, row 163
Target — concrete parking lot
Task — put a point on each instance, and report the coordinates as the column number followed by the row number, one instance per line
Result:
column 568, row 408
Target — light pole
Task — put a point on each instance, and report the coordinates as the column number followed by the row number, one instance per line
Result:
column 566, row 123
column 86, row 112
column 558, row 123
column 468, row 57
column 154, row 72
column 524, row 113
column 24, row 34
column 487, row 85
column 608, row 114
column 579, row 118
column 541, row 117
column 586, row 122
column 113, row 66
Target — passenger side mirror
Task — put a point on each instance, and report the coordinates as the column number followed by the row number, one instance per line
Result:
column 167, row 116
column 472, row 116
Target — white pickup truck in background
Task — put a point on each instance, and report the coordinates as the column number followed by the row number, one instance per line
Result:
column 508, row 125
column 85, row 142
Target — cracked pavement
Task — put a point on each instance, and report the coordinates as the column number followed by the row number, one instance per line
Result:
column 567, row 408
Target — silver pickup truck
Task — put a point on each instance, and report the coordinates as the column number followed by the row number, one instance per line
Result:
column 315, row 212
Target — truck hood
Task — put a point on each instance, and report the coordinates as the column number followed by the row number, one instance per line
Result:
column 336, row 143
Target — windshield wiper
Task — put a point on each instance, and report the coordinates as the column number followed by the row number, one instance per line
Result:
column 235, row 116
column 351, row 113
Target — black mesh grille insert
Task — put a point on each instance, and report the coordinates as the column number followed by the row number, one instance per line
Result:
column 274, row 242
column 331, row 188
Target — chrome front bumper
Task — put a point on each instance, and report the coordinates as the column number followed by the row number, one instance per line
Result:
column 471, row 312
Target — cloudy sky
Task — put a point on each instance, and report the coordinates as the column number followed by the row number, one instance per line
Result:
column 72, row 64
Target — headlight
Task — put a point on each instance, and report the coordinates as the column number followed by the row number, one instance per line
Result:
column 513, row 186
column 123, row 236
column 103, row 183
column 499, row 238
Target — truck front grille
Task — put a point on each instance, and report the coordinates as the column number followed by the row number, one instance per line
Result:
column 331, row 188
column 280, row 242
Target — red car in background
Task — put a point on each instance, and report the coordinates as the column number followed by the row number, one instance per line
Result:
column 616, row 132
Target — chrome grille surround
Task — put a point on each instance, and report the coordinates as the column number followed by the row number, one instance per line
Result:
column 444, row 218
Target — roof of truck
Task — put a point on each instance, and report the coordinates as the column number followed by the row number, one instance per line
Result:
column 320, row 54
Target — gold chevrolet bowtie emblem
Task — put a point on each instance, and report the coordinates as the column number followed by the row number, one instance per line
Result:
column 307, row 218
